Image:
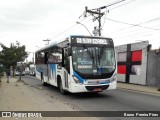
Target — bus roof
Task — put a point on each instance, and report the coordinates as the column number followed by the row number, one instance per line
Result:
column 63, row 43
column 47, row 46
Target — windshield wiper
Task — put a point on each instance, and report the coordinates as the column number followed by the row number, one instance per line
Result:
column 100, row 53
column 88, row 52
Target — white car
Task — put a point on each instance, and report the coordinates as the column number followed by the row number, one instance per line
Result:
column 27, row 72
column 17, row 73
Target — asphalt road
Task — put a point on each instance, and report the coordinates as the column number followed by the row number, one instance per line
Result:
column 114, row 100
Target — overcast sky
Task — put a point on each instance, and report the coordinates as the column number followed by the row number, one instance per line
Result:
column 32, row 21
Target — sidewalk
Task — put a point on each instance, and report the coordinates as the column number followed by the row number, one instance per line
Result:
column 19, row 96
column 139, row 88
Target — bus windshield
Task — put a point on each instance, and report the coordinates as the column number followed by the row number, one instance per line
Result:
column 93, row 60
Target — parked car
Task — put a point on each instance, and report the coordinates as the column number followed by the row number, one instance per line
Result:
column 17, row 73
column 32, row 70
column 27, row 72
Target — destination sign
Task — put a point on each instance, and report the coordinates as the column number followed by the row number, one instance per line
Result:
column 91, row 41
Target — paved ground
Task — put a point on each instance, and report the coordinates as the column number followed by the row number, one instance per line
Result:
column 17, row 96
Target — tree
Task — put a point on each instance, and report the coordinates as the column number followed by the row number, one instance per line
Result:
column 10, row 56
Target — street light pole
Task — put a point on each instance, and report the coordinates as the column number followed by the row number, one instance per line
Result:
column 84, row 26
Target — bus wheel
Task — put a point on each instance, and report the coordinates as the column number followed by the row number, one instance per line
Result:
column 63, row 92
column 42, row 80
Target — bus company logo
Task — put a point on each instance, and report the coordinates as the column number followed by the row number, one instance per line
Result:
column 6, row 114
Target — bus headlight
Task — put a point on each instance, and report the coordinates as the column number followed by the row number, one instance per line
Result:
column 75, row 79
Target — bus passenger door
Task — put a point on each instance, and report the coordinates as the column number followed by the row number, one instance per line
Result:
column 66, row 68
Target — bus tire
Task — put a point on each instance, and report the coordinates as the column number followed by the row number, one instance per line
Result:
column 42, row 80
column 63, row 92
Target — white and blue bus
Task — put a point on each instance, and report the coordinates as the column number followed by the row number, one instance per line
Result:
column 78, row 64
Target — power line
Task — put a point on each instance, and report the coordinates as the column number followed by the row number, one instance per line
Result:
column 135, row 25
column 131, row 33
column 90, row 15
column 131, row 25
column 145, row 22
column 65, row 30
column 137, row 33
column 97, row 14
column 111, row 4
column 70, row 28
column 143, row 32
column 107, row 11
column 152, row 20
column 140, row 33
column 121, row 5
column 148, row 21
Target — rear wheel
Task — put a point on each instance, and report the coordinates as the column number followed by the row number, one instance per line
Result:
column 42, row 80
column 63, row 92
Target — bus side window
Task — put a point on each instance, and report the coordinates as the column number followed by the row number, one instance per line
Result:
column 39, row 58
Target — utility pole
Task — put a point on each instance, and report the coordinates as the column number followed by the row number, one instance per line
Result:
column 99, row 20
column 47, row 41
column 93, row 13
column 97, row 14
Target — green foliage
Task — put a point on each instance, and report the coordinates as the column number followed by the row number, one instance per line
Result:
column 10, row 56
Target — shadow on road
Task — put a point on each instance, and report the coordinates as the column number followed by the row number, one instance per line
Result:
column 81, row 95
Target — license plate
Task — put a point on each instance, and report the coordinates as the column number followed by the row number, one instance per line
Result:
column 97, row 89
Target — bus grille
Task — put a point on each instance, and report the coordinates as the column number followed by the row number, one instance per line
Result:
column 91, row 88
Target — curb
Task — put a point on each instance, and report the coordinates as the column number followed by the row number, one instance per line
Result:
column 140, row 91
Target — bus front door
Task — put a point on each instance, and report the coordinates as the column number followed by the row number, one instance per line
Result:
column 66, row 71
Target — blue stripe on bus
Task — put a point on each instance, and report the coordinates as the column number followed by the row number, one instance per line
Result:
column 40, row 69
column 104, row 82
column 53, row 71
column 79, row 78
column 82, row 80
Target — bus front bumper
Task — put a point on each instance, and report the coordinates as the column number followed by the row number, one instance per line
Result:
column 76, row 88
